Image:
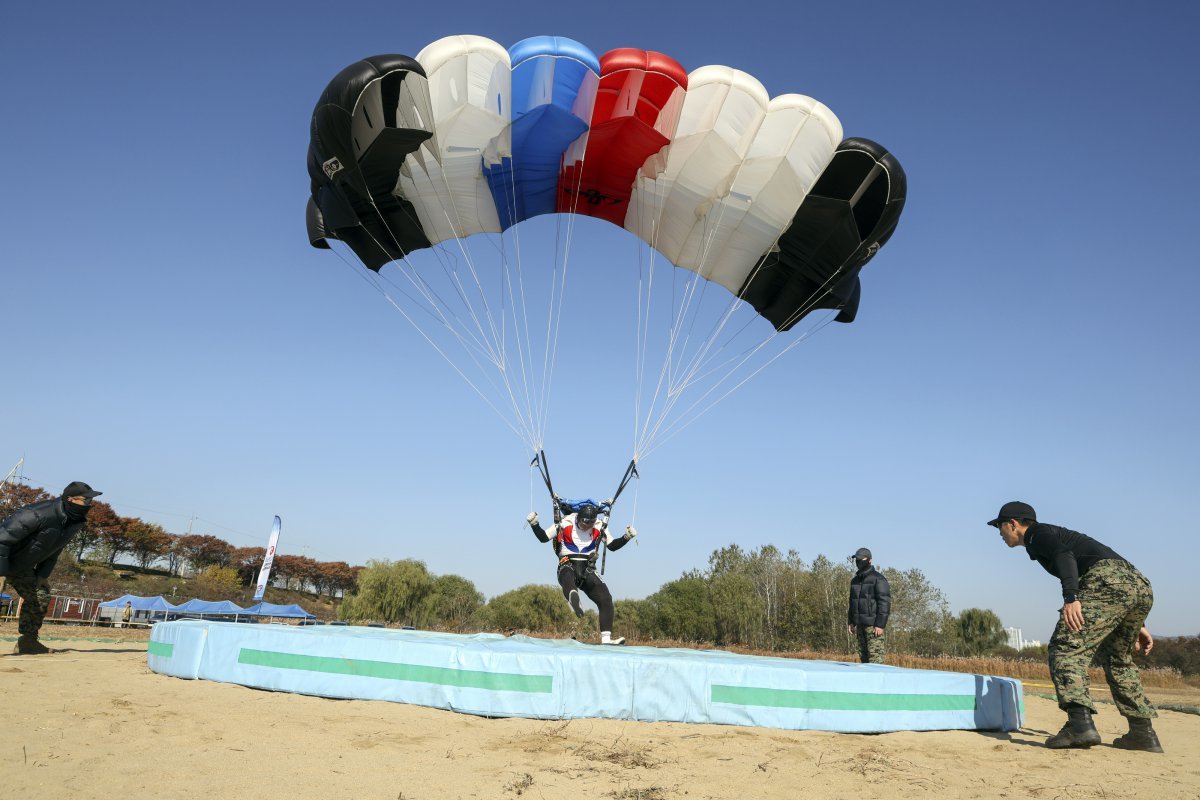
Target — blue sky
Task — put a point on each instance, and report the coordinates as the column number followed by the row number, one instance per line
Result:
column 1028, row 333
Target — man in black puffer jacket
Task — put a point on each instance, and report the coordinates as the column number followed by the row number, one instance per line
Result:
column 31, row 540
column 870, row 604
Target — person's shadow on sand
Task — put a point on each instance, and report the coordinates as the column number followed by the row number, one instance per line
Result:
column 53, row 650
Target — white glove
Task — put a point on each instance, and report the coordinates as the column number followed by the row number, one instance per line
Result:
column 630, row 531
column 532, row 519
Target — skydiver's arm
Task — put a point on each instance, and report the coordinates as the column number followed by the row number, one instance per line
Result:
column 542, row 534
column 617, row 542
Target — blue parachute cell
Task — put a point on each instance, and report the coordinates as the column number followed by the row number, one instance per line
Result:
column 554, row 81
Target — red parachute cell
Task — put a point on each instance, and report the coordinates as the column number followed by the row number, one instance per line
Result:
column 635, row 115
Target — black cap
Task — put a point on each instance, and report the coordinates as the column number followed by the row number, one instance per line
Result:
column 80, row 489
column 1014, row 510
column 587, row 513
column 862, row 552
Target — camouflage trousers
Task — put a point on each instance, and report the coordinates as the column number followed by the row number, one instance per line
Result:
column 35, row 592
column 1116, row 599
column 870, row 646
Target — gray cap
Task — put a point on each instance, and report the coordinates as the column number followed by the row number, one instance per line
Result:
column 862, row 552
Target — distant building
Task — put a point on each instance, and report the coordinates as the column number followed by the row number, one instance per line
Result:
column 1015, row 638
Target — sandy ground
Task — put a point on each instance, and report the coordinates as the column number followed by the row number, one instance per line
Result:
column 92, row 721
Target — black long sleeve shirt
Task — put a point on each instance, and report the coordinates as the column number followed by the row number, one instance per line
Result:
column 1065, row 554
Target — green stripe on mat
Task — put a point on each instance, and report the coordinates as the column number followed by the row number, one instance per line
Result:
column 162, row 649
column 840, row 701
column 388, row 670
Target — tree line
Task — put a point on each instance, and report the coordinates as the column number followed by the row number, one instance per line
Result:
column 762, row 599
column 108, row 536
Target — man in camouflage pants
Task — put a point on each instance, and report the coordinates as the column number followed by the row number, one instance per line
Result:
column 870, row 605
column 1105, row 604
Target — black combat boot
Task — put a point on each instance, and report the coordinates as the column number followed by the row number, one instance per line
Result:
column 28, row 645
column 1079, row 731
column 1141, row 736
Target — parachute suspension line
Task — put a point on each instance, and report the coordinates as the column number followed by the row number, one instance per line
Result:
column 438, row 304
column 434, row 305
column 459, row 235
column 422, row 286
column 676, row 344
column 679, row 424
column 479, row 336
column 495, row 358
column 494, row 323
column 708, row 234
column 726, row 372
column 641, row 420
column 357, row 268
column 557, row 298
column 646, row 276
column 536, row 408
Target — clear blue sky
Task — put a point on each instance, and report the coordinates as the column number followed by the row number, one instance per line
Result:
column 1029, row 332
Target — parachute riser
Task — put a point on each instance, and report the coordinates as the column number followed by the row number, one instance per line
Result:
column 630, row 472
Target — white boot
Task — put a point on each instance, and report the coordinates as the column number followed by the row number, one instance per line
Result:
column 606, row 638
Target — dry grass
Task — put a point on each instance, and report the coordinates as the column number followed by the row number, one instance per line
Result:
column 620, row 752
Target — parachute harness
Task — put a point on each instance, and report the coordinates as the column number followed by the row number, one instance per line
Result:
column 564, row 507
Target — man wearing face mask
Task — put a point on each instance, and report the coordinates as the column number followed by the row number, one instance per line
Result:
column 870, row 604
column 31, row 540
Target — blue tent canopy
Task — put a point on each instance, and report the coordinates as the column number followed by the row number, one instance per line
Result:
column 139, row 603
column 272, row 610
column 198, row 606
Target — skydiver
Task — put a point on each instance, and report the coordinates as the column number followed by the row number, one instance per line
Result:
column 576, row 540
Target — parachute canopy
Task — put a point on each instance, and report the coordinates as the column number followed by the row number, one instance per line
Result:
column 760, row 195
column 760, row 199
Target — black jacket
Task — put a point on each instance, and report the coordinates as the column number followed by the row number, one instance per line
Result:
column 32, row 538
column 1065, row 554
column 870, row 599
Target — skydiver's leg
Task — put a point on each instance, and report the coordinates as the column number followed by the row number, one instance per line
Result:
column 598, row 593
column 569, row 581
column 566, row 580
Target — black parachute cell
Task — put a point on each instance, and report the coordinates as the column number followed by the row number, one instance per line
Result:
column 851, row 212
column 354, row 157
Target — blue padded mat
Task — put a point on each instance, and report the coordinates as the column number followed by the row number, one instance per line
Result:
column 519, row 676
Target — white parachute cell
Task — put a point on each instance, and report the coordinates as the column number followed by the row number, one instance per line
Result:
column 793, row 145
column 469, row 87
column 675, row 190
